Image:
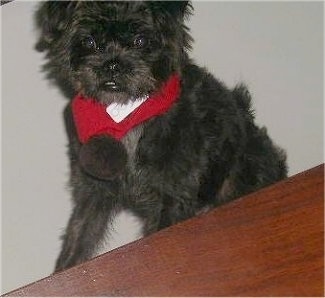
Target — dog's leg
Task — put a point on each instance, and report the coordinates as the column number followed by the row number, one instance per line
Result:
column 85, row 231
column 95, row 202
column 173, row 210
column 149, row 211
column 163, row 205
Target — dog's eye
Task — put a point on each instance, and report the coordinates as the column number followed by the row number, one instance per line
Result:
column 89, row 43
column 140, row 41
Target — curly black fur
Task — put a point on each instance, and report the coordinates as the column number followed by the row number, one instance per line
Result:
column 205, row 151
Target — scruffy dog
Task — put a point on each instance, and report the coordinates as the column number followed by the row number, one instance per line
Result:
column 149, row 131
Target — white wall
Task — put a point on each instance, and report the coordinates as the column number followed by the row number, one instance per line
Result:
column 275, row 47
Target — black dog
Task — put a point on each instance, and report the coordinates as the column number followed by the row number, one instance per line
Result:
column 149, row 130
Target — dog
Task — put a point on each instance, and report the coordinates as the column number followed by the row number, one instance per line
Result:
column 149, row 130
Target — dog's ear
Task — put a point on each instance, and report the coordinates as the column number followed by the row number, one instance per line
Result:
column 52, row 19
column 172, row 8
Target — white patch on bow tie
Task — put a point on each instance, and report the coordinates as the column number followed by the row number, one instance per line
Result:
column 119, row 112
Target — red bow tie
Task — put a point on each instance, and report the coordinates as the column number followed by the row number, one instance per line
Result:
column 92, row 119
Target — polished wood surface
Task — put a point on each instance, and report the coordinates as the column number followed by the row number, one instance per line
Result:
column 270, row 243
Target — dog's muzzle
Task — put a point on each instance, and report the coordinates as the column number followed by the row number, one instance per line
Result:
column 112, row 69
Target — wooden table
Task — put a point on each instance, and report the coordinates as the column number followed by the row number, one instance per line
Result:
column 270, row 243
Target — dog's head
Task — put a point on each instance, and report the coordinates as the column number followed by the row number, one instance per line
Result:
column 113, row 51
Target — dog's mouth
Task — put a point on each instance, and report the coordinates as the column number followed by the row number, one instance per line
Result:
column 112, row 92
column 108, row 90
column 111, row 86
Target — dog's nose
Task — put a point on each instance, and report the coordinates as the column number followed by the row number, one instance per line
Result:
column 112, row 66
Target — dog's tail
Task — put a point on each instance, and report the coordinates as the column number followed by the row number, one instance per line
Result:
column 242, row 97
column 275, row 157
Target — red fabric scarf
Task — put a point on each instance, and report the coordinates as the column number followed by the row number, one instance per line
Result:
column 92, row 119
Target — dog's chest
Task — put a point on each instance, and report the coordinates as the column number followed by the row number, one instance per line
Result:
column 130, row 142
column 124, row 226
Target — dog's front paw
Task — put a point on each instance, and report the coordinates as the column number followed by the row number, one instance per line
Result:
column 103, row 157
